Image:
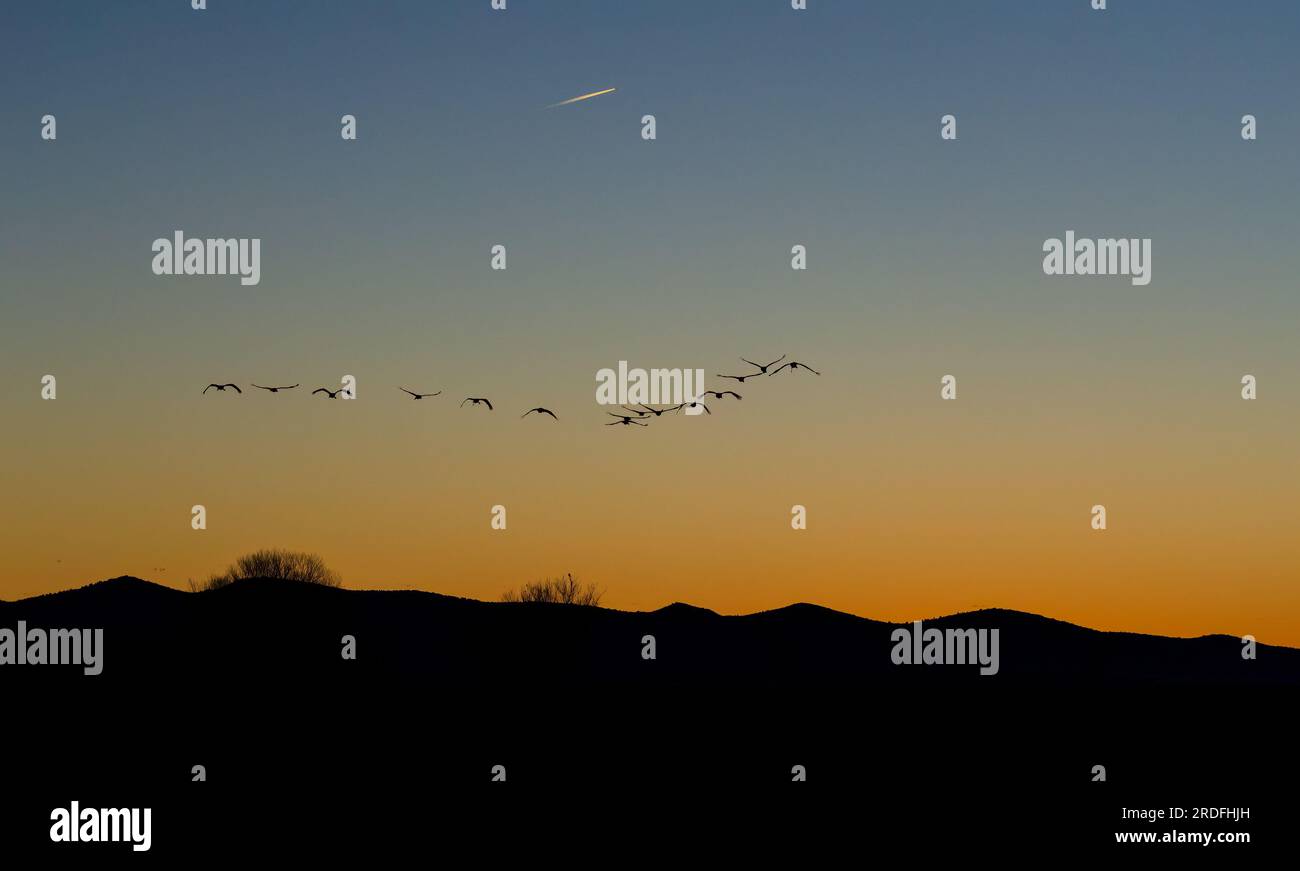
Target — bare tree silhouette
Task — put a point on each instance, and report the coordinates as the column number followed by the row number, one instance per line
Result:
column 561, row 591
column 287, row 565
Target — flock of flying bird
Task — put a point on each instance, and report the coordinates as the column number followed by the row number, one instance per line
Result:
column 634, row 417
column 637, row 415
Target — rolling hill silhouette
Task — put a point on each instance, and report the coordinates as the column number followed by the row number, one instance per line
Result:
column 262, row 631
column 248, row 681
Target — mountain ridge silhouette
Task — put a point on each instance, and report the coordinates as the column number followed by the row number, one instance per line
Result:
column 137, row 584
column 256, row 628
column 249, row 681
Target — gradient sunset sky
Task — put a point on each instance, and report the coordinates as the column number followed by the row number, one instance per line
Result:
column 774, row 128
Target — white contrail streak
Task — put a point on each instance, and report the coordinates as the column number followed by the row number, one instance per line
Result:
column 583, row 97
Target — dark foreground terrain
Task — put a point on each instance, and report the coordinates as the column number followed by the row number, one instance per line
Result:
column 398, row 748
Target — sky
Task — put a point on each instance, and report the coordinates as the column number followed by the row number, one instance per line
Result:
column 774, row 128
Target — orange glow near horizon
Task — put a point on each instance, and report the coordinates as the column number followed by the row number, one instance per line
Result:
column 935, row 509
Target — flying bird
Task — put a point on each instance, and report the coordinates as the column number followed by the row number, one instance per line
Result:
column 333, row 394
column 221, row 387
column 539, row 410
column 582, row 97
column 792, row 365
column 762, row 370
column 625, row 422
column 624, row 418
column 741, row 378
column 721, row 393
column 275, row 389
column 638, row 412
column 690, row 405
column 648, row 410
column 417, row 395
column 477, row 400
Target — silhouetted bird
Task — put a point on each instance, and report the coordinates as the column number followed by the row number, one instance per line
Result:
column 275, row 389
column 221, row 387
column 648, row 410
column 539, row 410
column 624, row 417
column 792, row 365
column 690, row 405
column 761, row 368
column 741, row 378
column 333, row 394
column 625, row 422
column 418, row 395
column 638, row 412
column 477, row 400
column 722, row 393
